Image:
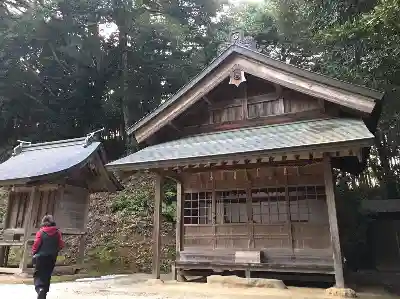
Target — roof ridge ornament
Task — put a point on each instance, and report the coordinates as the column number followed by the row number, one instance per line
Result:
column 18, row 149
column 237, row 75
column 91, row 137
column 237, row 37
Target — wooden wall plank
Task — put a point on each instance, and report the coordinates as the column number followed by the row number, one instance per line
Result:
column 28, row 230
column 70, row 208
column 83, row 238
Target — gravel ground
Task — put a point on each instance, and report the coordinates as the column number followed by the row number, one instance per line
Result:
column 135, row 287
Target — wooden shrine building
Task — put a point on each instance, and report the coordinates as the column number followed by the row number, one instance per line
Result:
column 251, row 142
column 51, row 178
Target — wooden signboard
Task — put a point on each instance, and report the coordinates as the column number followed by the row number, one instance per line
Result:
column 247, row 257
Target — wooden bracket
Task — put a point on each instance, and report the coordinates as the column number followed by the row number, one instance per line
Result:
column 172, row 125
column 206, row 100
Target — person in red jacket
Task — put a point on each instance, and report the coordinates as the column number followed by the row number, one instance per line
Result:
column 45, row 249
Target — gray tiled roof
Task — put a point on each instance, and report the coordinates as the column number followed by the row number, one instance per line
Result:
column 37, row 160
column 250, row 141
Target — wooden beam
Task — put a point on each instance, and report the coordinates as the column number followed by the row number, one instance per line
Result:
column 235, row 166
column 44, row 187
column 159, row 198
column 333, row 224
column 245, row 112
column 28, row 230
column 278, row 90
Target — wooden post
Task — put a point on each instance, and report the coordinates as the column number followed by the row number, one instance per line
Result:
column 179, row 226
column 289, row 214
column 333, row 224
column 214, row 215
column 249, row 212
column 27, row 231
column 159, row 198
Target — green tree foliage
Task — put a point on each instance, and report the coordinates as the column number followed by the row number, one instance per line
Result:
column 63, row 72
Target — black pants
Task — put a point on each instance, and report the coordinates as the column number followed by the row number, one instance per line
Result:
column 44, row 266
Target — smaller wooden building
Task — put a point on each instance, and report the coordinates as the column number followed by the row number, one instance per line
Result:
column 51, row 178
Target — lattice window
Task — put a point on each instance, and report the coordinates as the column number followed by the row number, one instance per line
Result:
column 302, row 199
column 231, row 207
column 269, row 205
column 197, row 208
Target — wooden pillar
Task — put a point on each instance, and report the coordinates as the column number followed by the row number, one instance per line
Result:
column 333, row 224
column 159, row 198
column 214, row 215
column 28, row 231
column 289, row 214
column 179, row 220
column 179, row 227
column 249, row 212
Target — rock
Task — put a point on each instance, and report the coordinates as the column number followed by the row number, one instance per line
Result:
column 236, row 281
column 153, row 282
column 340, row 292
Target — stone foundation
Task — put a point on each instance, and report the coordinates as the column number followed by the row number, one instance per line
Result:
column 339, row 292
column 152, row 282
column 235, row 281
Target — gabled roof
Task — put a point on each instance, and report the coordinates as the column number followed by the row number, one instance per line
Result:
column 354, row 93
column 256, row 142
column 45, row 161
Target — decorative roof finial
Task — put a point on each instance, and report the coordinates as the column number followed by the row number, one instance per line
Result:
column 237, row 75
column 91, row 137
column 237, row 37
column 18, row 149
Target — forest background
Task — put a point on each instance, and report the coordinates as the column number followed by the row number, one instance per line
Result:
column 68, row 67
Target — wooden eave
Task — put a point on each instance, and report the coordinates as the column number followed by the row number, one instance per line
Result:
column 306, row 153
column 352, row 96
